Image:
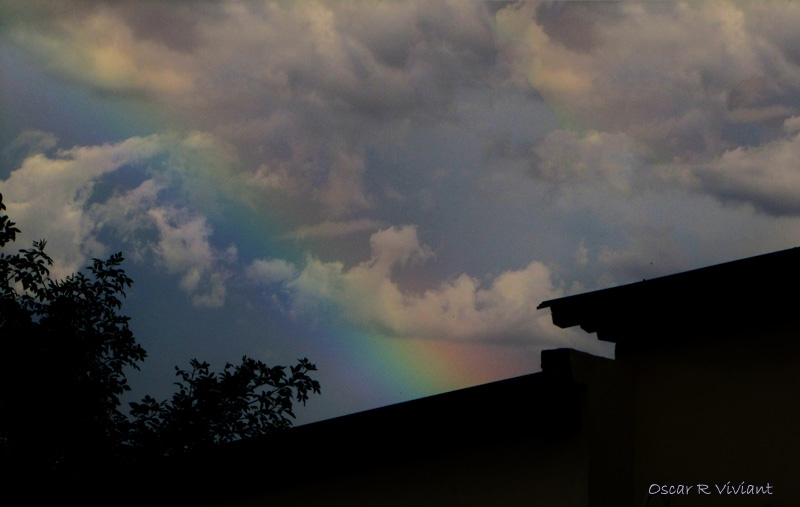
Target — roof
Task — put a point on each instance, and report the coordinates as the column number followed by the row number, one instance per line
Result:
column 740, row 293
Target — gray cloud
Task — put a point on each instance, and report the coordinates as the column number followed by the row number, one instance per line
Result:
column 578, row 25
column 651, row 251
column 177, row 25
column 331, row 229
column 303, row 109
column 637, row 93
column 300, row 111
column 672, row 76
column 595, row 158
column 766, row 176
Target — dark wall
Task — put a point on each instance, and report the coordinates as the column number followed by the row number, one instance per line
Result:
column 715, row 408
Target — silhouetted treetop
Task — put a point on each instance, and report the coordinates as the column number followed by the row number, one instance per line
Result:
column 212, row 408
column 64, row 353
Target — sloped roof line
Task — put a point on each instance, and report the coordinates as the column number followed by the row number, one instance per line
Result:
column 744, row 286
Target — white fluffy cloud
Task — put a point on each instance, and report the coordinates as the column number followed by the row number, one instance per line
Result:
column 270, row 271
column 462, row 308
column 47, row 196
column 183, row 247
column 52, row 198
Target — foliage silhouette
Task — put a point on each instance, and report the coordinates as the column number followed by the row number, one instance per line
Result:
column 214, row 408
column 65, row 350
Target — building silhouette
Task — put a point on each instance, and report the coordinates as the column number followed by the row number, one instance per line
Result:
column 699, row 407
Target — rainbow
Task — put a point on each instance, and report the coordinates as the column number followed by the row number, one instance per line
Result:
column 378, row 367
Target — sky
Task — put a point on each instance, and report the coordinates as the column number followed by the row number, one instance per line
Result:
column 390, row 188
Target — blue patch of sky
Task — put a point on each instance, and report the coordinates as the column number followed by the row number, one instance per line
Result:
column 173, row 331
column 255, row 233
column 744, row 134
column 125, row 178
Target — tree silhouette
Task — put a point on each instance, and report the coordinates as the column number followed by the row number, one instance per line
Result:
column 211, row 408
column 65, row 350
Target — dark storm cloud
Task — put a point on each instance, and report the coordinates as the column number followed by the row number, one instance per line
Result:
column 578, row 25
column 177, row 25
column 299, row 89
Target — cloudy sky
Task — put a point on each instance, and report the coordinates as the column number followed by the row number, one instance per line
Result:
column 391, row 188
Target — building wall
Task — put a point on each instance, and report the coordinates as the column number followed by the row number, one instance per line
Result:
column 720, row 407
column 608, row 425
column 713, row 408
column 523, row 472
